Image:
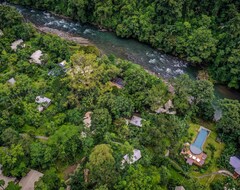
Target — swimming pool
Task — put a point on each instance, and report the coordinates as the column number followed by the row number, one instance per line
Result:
column 196, row 147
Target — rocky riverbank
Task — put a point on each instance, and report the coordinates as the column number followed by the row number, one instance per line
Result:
column 65, row 35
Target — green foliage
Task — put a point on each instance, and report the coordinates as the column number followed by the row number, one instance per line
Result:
column 9, row 136
column 193, row 97
column 56, row 142
column 9, row 17
column 66, row 142
column 140, row 178
column 12, row 160
column 50, row 180
column 228, row 125
column 12, row 186
column 102, row 165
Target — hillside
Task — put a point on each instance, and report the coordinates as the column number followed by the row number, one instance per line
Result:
column 89, row 121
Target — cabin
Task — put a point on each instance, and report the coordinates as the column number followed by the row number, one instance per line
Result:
column 193, row 153
column 87, row 119
column 217, row 115
column 15, row 44
column 62, row 64
column 43, row 101
column 167, row 108
column 11, row 81
column 235, row 163
column 117, row 82
column 28, row 182
column 36, row 57
column 137, row 121
column 135, row 157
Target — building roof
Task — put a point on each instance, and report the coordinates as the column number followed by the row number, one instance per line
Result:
column 35, row 57
column 179, row 188
column 45, row 102
column 118, row 82
column 168, row 105
column 29, row 180
column 217, row 114
column 137, row 121
column 135, row 157
column 166, row 108
column 235, row 163
column 62, row 64
column 12, row 81
column 16, row 44
column 40, row 100
column 87, row 119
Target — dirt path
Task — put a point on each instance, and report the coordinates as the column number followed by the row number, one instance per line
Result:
column 220, row 172
column 41, row 137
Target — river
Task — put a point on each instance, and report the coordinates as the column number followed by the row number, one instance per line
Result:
column 164, row 65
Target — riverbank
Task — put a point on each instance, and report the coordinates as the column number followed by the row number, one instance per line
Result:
column 65, row 35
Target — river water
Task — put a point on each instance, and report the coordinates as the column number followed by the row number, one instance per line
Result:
column 164, row 65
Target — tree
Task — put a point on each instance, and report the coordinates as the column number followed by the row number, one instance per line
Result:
column 182, row 87
column 50, row 180
column 41, row 155
column 165, row 175
column 101, row 122
column 102, row 165
column 66, row 142
column 9, row 17
column 228, row 125
column 13, row 161
column 10, row 136
column 119, row 106
column 139, row 178
column 12, row 186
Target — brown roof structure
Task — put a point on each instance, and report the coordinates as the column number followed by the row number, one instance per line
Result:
column 28, row 182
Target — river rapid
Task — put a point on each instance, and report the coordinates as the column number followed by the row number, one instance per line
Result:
column 151, row 59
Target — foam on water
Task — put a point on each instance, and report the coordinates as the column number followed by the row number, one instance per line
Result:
column 179, row 71
column 152, row 61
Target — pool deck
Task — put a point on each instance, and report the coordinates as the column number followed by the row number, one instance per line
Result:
column 199, row 158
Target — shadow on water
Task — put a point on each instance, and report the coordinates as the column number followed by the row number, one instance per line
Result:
column 164, row 65
column 222, row 91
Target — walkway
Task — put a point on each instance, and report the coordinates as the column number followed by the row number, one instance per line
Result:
column 41, row 137
column 220, row 172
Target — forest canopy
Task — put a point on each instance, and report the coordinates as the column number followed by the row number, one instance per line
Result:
column 83, row 133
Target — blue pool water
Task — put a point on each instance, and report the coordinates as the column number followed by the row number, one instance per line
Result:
column 196, row 147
